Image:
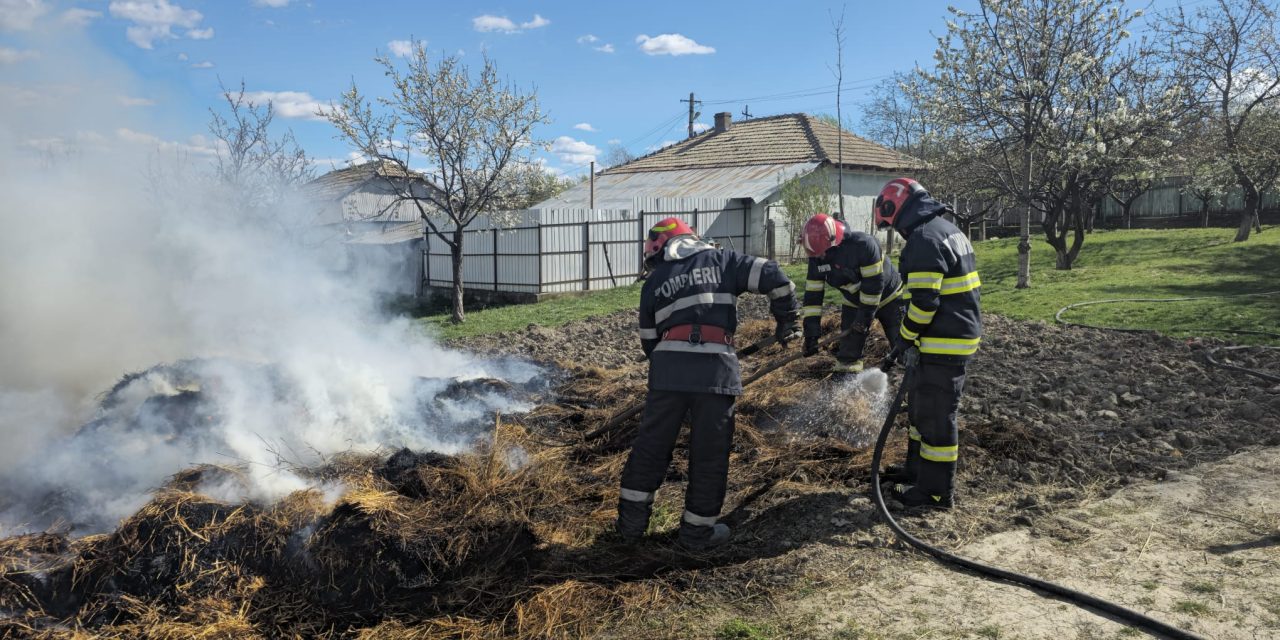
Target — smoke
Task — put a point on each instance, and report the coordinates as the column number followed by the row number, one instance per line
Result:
column 118, row 253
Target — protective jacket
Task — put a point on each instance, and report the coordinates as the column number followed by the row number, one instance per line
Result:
column 943, row 318
column 693, row 283
column 858, row 269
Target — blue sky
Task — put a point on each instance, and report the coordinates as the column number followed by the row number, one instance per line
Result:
column 604, row 71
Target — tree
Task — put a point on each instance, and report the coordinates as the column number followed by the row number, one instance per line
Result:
column 1034, row 86
column 617, row 155
column 1207, row 176
column 474, row 134
column 802, row 197
column 895, row 117
column 1228, row 55
column 544, row 185
column 253, row 170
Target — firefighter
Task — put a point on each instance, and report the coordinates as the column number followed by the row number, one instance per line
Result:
column 688, row 314
column 852, row 262
column 940, row 333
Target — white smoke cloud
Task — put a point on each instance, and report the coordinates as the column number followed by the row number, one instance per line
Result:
column 118, row 255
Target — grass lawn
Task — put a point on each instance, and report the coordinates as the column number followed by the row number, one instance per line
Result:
column 1112, row 264
column 1143, row 264
column 548, row 313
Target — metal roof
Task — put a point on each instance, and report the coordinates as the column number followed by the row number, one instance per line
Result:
column 390, row 233
column 631, row 190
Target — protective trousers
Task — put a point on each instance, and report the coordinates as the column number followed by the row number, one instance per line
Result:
column 933, row 448
column 710, row 437
column 890, row 317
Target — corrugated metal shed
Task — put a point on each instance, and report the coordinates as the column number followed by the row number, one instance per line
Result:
column 675, row 190
column 391, row 233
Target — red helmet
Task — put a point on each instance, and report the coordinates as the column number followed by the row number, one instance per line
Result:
column 664, row 231
column 821, row 232
column 893, row 197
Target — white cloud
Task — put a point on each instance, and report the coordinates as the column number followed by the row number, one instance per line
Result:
column 503, row 24
column 79, row 17
column 493, row 23
column 573, row 151
column 182, row 57
column 129, row 101
column 11, row 56
column 195, row 145
column 20, row 15
column 591, row 39
column 536, row 23
column 202, row 65
column 290, row 104
column 401, row 48
column 615, row 141
column 274, row 4
column 155, row 19
column 584, row 126
column 699, row 127
column 671, row 44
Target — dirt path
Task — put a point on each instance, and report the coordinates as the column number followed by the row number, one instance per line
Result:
column 1200, row 550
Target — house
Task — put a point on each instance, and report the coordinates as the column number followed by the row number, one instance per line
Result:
column 725, row 182
column 374, row 237
column 742, row 166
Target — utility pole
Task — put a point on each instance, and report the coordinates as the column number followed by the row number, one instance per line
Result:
column 746, row 112
column 593, row 184
column 693, row 115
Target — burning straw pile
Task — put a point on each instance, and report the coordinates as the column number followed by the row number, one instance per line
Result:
column 510, row 539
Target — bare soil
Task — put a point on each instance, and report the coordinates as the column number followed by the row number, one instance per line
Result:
column 1087, row 456
column 1054, row 420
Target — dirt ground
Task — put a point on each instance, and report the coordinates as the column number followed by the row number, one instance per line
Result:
column 1087, row 457
column 1118, row 463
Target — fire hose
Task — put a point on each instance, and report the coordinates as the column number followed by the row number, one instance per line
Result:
column 1210, row 353
column 1079, row 598
column 621, row 417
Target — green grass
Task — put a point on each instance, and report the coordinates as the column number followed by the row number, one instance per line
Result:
column 1202, row 587
column 738, row 629
column 548, row 313
column 1145, row 264
column 1190, row 607
column 1112, row 264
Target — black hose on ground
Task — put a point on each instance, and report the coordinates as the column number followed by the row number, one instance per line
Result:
column 1211, row 353
column 1097, row 605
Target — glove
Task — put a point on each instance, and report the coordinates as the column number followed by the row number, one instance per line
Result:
column 810, row 346
column 911, row 357
column 786, row 330
column 863, row 321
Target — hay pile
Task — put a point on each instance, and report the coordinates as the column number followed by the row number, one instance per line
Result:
column 510, row 540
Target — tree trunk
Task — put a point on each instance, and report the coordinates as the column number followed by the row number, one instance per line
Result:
column 455, row 254
column 1251, row 199
column 1024, row 232
column 1204, row 214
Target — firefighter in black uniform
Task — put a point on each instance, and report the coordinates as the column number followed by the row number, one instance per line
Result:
column 852, row 262
column 940, row 333
column 688, row 314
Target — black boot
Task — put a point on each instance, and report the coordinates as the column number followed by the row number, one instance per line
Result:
column 910, row 496
column 633, row 519
column 702, row 538
column 898, row 473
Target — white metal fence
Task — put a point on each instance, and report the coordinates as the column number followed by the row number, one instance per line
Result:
column 562, row 250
